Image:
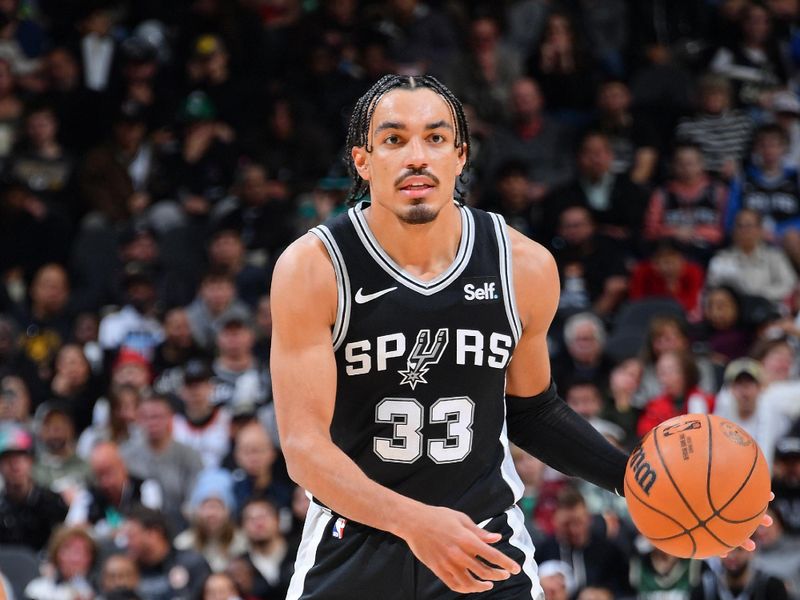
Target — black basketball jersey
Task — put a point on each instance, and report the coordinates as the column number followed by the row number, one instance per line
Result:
column 421, row 365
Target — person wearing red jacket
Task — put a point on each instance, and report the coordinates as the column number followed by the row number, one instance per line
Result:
column 680, row 395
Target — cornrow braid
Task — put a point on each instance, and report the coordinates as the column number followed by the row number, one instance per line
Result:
column 361, row 117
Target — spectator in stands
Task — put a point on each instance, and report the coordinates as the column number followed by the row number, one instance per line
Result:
column 765, row 422
column 263, row 329
column 421, row 39
column 690, row 207
column 778, row 554
column 484, row 76
column 619, row 408
column 165, row 571
column 668, row 274
column 751, row 266
column 42, row 162
column 29, row 512
column 202, row 425
column 267, row 552
column 116, row 176
column 114, row 492
column 633, row 138
column 158, row 456
column 32, row 231
column 15, row 401
column 11, row 109
column 591, row 266
column 739, row 578
column 226, row 253
column 594, row 559
column 584, row 341
column 721, row 133
column 564, row 69
column 656, row 574
column 724, row 329
column 785, row 109
column 123, row 402
column 240, row 376
column 680, row 394
column 754, row 62
column 134, row 326
column 220, row 586
column 57, row 466
column 530, row 137
column 97, row 46
column 178, row 346
column 616, row 203
column 254, row 473
column 513, row 199
column 212, row 531
column 786, row 482
column 118, row 573
column 556, row 579
column 771, row 189
column 215, row 299
column 139, row 80
column 669, row 333
column 74, row 385
column 260, row 209
column 14, row 362
column 47, row 322
column 71, row 556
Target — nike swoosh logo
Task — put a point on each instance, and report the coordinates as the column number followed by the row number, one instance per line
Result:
column 362, row 298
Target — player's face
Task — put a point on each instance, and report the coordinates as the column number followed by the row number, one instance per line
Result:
column 413, row 165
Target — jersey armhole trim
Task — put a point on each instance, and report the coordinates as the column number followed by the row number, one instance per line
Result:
column 342, row 321
column 507, row 275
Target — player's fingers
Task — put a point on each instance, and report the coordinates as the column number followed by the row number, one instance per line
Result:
column 749, row 545
column 466, row 584
column 494, row 557
column 480, row 569
column 766, row 521
column 489, row 537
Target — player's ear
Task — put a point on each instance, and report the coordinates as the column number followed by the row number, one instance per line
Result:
column 461, row 158
column 361, row 161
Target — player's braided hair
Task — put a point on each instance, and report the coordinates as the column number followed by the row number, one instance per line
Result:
column 358, row 130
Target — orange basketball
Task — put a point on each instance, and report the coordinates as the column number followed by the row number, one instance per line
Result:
column 697, row 486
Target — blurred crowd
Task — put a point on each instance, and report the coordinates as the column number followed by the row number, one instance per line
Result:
column 156, row 157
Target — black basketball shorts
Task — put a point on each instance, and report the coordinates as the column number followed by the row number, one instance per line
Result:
column 343, row 560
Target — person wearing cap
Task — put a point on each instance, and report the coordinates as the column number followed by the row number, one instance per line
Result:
column 656, row 575
column 750, row 265
column 28, row 511
column 135, row 325
column 202, row 425
column 786, row 481
column 557, row 580
column 213, row 531
column 772, row 189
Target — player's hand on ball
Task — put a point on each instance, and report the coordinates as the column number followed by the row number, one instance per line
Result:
column 455, row 548
column 766, row 521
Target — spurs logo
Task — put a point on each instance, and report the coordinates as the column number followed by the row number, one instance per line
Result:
column 424, row 354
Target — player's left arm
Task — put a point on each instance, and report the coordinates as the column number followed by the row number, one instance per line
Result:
column 538, row 420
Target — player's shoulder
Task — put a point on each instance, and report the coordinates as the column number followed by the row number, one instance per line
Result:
column 304, row 266
column 536, row 283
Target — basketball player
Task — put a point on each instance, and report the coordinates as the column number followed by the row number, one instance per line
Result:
column 394, row 327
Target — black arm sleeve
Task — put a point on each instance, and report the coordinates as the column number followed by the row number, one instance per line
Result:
column 545, row 427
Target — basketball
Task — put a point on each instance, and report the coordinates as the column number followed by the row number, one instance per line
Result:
column 697, row 485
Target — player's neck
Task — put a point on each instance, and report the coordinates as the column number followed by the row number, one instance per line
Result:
column 424, row 251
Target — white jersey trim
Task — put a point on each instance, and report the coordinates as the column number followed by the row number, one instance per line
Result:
column 426, row 288
column 507, row 275
column 317, row 520
column 342, row 322
column 521, row 539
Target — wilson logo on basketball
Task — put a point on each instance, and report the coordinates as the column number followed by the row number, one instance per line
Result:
column 643, row 473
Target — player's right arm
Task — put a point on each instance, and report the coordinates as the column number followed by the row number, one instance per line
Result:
column 303, row 366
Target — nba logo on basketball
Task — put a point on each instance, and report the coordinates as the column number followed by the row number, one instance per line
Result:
column 338, row 528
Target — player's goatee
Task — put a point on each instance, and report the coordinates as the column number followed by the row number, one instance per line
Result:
column 419, row 214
